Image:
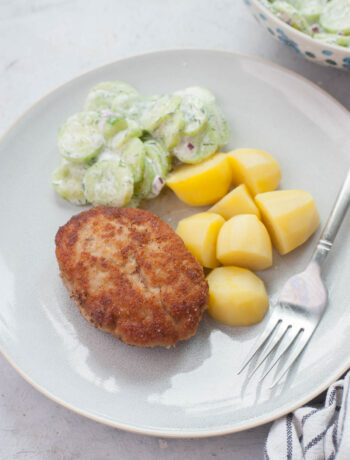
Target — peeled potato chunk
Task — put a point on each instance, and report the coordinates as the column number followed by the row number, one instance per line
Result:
column 238, row 201
column 204, row 183
column 237, row 297
column 244, row 241
column 290, row 216
column 199, row 233
column 255, row 168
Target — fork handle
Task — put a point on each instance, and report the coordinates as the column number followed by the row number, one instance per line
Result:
column 333, row 224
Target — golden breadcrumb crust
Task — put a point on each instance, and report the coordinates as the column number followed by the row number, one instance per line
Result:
column 131, row 275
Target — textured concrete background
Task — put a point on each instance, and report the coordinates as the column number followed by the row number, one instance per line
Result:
column 44, row 43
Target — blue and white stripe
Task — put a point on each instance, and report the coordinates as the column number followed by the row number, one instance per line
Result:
column 311, row 433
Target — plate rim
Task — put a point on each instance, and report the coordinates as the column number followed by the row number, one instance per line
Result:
column 198, row 433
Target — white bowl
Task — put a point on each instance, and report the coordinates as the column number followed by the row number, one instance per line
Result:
column 312, row 49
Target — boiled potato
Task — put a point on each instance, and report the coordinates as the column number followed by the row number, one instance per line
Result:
column 199, row 233
column 237, row 297
column 244, row 241
column 290, row 216
column 255, row 168
column 204, row 183
column 238, row 201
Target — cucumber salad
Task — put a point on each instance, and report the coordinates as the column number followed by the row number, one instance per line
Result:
column 120, row 148
column 326, row 20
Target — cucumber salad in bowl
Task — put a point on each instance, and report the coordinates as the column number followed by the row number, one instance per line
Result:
column 325, row 20
column 120, row 148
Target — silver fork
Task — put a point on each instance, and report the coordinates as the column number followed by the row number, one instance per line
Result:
column 302, row 302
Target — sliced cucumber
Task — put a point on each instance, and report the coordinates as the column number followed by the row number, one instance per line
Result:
column 120, row 146
column 144, row 188
column 334, row 39
column 218, row 123
column 194, row 149
column 102, row 96
column 202, row 105
column 335, row 16
column 194, row 113
column 108, row 154
column 203, row 94
column 134, row 202
column 113, row 124
column 108, row 183
column 170, row 131
column 157, row 166
column 67, row 180
column 159, row 111
column 159, row 155
column 287, row 13
column 133, row 154
column 129, row 105
column 80, row 139
column 311, row 9
column 151, row 100
column 133, row 130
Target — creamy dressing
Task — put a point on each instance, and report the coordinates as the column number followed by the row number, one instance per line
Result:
column 157, row 186
column 186, row 148
column 80, row 136
column 108, row 154
column 123, row 136
column 108, row 182
column 123, row 144
column 326, row 20
column 105, row 114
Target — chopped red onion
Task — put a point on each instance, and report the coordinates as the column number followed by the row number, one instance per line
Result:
column 157, row 186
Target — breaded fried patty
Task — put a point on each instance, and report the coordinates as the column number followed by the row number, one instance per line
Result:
column 131, row 276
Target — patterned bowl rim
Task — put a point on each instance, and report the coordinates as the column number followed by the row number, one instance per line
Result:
column 297, row 33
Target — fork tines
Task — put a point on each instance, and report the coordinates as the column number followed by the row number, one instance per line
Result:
column 280, row 335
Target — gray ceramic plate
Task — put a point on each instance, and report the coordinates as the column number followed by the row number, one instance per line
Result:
column 193, row 389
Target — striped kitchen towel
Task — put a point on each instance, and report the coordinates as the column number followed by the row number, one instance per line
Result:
column 314, row 433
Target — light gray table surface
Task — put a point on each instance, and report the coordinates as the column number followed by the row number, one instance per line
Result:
column 44, row 43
